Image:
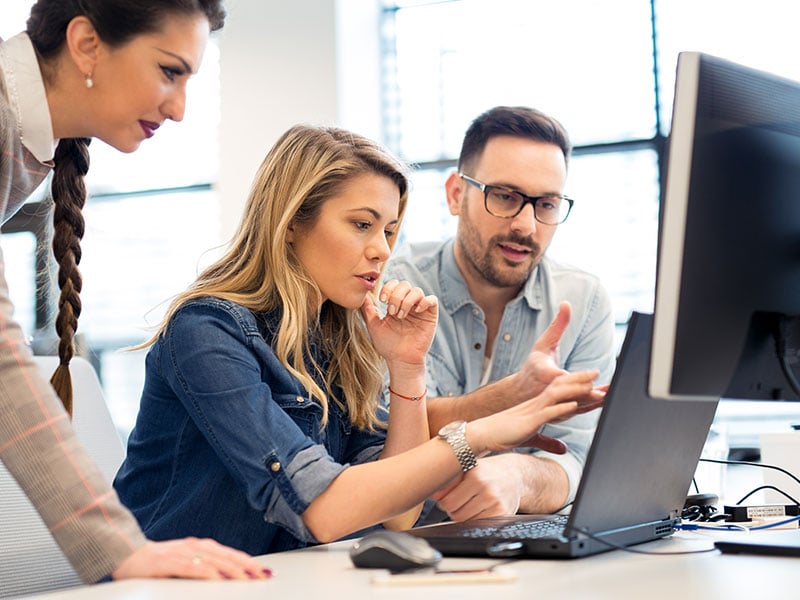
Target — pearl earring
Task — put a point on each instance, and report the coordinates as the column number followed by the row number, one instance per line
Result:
column 89, row 81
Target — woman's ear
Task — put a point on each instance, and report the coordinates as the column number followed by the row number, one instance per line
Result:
column 290, row 233
column 83, row 43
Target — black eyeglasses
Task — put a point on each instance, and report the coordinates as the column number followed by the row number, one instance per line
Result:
column 550, row 209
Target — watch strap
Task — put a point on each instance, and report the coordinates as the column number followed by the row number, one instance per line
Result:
column 466, row 457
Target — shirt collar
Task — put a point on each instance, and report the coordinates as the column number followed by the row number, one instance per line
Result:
column 27, row 97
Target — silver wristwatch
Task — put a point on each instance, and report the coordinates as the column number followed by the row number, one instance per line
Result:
column 453, row 434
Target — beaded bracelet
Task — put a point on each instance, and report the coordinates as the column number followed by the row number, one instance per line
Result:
column 412, row 398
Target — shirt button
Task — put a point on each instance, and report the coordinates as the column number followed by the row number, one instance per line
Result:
column 299, row 399
column 276, row 466
column 478, row 346
column 475, row 311
column 507, row 337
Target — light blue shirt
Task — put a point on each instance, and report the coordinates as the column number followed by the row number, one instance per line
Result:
column 455, row 360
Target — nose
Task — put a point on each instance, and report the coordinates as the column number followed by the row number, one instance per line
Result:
column 174, row 108
column 525, row 222
column 379, row 249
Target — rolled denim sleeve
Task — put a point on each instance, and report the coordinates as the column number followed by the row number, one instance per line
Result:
column 249, row 409
column 296, row 485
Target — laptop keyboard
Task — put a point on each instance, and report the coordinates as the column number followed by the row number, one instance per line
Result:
column 521, row 530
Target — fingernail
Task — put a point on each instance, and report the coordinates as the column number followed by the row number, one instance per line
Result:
column 392, row 309
column 267, row 572
column 400, row 314
column 384, row 297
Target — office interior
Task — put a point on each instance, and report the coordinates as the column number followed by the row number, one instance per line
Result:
column 411, row 74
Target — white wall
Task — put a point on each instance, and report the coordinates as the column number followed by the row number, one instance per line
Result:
column 279, row 67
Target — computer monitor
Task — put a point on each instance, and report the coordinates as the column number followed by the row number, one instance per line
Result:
column 728, row 275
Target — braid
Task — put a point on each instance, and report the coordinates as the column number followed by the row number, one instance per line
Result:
column 69, row 195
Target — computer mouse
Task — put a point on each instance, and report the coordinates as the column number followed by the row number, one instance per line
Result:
column 393, row 550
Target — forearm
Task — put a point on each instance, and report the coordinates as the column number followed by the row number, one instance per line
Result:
column 39, row 448
column 545, row 484
column 482, row 402
column 383, row 491
column 408, row 421
column 408, row 428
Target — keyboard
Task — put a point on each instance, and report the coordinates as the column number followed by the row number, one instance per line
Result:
column 521, row 529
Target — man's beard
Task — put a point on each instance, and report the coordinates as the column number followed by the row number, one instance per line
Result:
column 481, row 261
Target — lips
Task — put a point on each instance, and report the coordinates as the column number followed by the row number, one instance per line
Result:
column 149, row 128
column 369, row 279
column 514, row 251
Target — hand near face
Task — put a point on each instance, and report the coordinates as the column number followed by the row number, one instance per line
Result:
column 405, row 333
column 190, row 558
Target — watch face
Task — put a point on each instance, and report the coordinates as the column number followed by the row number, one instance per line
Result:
column 452, row 428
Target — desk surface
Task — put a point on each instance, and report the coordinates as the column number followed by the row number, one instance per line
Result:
column 326, row 572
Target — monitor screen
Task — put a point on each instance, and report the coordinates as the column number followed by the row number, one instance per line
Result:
column 728, row 276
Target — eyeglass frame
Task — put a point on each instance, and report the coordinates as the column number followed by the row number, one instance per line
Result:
column 526, row 199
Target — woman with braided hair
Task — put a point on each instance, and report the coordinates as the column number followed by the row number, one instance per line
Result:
column 115, row 70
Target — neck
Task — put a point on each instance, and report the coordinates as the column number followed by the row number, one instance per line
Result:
column 491, row 298
column 68, row 100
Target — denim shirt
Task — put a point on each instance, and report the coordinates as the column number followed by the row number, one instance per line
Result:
column 227, row 443
column 455, row 360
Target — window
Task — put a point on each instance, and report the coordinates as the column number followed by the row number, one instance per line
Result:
column 608, row 76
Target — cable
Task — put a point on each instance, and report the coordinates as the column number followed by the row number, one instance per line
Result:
column 767, row 487
column 752, row 464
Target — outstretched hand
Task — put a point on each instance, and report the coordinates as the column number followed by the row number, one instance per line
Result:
column 541, row 365
column 405, row 333
column 517, row 426
column 190, row 558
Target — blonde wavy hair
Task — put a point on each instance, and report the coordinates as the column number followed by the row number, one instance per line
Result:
column 260, row 271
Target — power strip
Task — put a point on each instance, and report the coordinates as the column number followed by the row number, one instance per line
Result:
column 741, row 514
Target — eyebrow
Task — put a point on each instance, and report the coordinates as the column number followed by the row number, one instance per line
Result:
column 185, row 64
column 515, row 188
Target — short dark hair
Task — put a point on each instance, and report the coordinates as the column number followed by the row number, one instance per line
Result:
column 516, row 121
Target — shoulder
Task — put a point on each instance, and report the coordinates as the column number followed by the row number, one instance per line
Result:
column 583, row 290
column 213, row 312
column 418, row 263
column 569, row 276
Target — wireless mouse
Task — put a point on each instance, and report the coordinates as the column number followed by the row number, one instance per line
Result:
column 393, row 550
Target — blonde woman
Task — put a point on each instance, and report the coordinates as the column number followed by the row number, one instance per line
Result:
column 259, row 423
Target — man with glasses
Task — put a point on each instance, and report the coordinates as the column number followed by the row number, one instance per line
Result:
column 498, row 292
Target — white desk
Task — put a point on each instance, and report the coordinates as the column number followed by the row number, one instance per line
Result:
column 326, row 572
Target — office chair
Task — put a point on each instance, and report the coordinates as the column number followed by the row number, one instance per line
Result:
column 30, row 560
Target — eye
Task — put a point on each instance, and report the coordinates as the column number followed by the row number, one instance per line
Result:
column 549, row 202
column 171, row 73
column 362, row 225
column 389, row 233
column 505, row 196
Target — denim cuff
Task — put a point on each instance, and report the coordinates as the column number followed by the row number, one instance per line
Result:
column 298, row 484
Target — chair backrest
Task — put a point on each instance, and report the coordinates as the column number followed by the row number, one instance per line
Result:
column 30, row 560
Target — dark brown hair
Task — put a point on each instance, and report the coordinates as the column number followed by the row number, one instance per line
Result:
column 515, row 121
column 117, row 22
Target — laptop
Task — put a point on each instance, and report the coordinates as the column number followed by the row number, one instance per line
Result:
column 634, row 483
